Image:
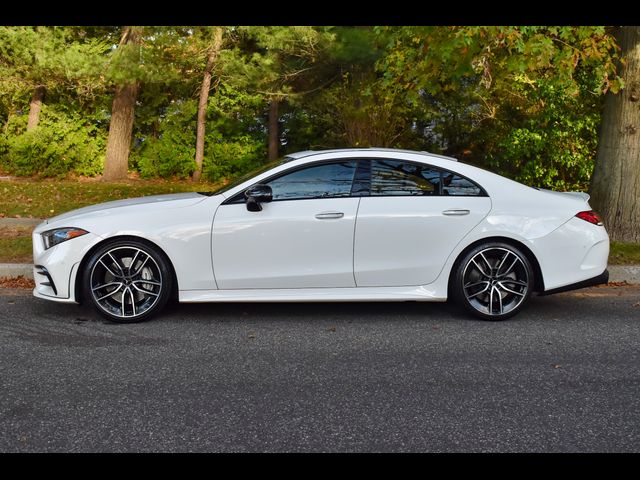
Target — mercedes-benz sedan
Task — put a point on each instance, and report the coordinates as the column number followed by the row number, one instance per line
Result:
column 336, row 225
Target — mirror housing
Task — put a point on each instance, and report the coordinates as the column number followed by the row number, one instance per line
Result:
column 256, row 195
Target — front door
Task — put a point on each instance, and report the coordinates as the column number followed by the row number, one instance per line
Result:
column 302, row 239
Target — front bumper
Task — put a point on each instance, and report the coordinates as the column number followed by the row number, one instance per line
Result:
column 55, row 269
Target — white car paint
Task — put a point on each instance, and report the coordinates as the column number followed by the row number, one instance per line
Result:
column 285, row 245
column 391, row 248
column 400, row 243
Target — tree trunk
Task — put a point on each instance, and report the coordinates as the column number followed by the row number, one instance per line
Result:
column 34, row 107
column 119, row 142
column 615, row 186
column 274, row 139
column 121, row 126
column 214, row 52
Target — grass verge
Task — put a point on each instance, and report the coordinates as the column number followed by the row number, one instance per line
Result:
column 624, row 253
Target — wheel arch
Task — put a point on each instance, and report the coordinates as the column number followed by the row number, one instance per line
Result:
column 533, row 260
column 83, row 263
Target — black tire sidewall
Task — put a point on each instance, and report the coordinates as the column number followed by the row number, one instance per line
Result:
column 458, row 280
column 156, row 254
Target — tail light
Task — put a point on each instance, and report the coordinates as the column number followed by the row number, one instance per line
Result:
column 590, row 216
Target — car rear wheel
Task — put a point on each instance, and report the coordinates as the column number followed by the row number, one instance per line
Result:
column 494, row 281
column 127, row 281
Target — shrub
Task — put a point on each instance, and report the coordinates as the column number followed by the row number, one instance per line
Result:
column 62, row 143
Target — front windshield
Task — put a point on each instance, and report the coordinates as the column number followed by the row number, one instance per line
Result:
column 247, row 176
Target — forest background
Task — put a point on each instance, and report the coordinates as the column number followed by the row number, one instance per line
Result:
column 551, row 107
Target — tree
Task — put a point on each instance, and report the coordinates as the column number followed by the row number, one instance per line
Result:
column 122, row 114
column 523, row 101
column 615, row 187
column 212, row 56
column 62, row 60
column 275, row 61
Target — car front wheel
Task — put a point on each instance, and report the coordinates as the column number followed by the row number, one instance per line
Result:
column 127, row 281
column 493, row 281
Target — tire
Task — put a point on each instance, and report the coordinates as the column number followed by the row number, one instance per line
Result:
column 493, row 281
column 127, row 281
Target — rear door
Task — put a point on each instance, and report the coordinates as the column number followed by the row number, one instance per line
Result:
column 411, row 221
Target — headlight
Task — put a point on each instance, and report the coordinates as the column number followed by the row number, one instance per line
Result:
column 59, row 235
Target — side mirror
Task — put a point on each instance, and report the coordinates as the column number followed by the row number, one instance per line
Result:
column 256, row 195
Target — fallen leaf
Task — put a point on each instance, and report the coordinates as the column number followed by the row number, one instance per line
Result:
column 331, row 329
column 556, row 366
column 637, row 304
column 18, row 282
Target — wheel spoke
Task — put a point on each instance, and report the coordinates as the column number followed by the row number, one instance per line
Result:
column 108, row 269
column 491, row 301
column 111, row 293
column 506, row 289
column 478, row 293
column 516, row 282
column 117, row 264
column 133, row 262
column 146, row 292
column 150, row 282
column 480, row 268
column 133, row 300
column 501, row 263
column 499, row 298
column 516, row 260
column 105, row 285
column 140, row 267
column 124, row 314
column 486, row 262
column 475, row 284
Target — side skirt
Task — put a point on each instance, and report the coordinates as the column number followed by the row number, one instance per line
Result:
column 363, row 294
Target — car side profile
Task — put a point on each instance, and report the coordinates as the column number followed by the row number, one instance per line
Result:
column 336, row 225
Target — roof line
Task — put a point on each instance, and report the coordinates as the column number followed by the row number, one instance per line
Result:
column 309, row 153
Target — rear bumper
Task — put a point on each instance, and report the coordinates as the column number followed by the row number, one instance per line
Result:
column 590, row 282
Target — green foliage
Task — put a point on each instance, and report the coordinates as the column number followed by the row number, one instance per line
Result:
column 228, row 159
column 62, row 143
column 523, row 101
column 233, row 144
column 170, row 152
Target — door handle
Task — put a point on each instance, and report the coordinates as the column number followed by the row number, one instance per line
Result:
column 456, row 212
column 329, row 215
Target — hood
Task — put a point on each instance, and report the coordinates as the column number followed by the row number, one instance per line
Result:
column 173, row 200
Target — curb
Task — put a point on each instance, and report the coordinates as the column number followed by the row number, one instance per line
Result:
column 13, row 270
column 624, row 273
column 617, row 273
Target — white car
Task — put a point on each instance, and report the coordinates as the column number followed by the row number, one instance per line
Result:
column 336, row 225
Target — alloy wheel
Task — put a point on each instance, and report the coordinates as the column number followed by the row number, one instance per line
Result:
column 126, row 282
column 495, row 281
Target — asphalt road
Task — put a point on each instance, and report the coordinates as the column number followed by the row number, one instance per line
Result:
column 564, row 376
